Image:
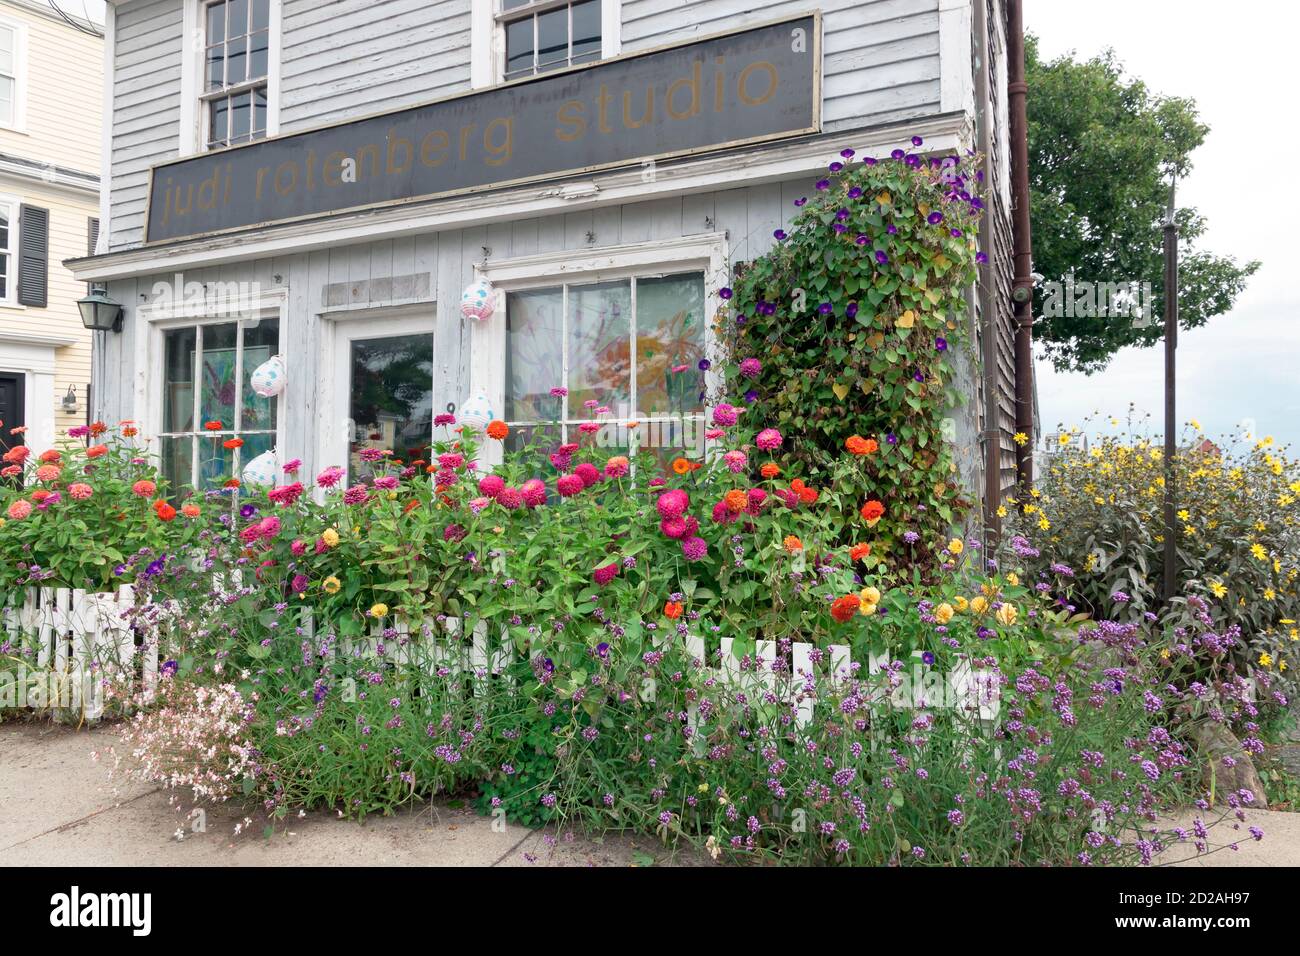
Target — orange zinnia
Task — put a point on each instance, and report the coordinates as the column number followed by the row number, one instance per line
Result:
column 190, row 511
column 681, row 466
column 213, row 426
column 497, row 429
column 872, row 510
column 792, row 543
column 673, row 610
column 770, row 470
column 736, row 500
column 859, row 551
column 845, row 607
column 233, row 443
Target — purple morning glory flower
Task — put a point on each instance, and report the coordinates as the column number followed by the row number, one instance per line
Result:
column 955, row 233
column 825, row 308
column 169, row 668
column 778, row 235
column 855, row 192
column 898, row 154
column 881, row 257
column 891, row 439
column 836, row 167
column 846, row 153
column 751, row 396
column 928, row 657
column 869, row 161
column 602, row 649
column 917, row 141
column 919, row 377
column 842, row 213
column 851, row 309
column 823, row 184
column 801, row 200
column 840, row 227
column 934, row 218
column 862, row 240
column 247, row 511
column 724, row 292
column 891, row 229
column 941, row 344
column 704, row 365
column 981, row 257
column 913, row 160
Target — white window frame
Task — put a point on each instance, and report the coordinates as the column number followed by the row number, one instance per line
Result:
column 11, row 205
column 151, row 354
column 704, row 253
column 488, row 37
column 194, row 97
column 18, row 122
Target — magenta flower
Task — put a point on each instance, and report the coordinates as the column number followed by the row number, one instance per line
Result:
column 769, row 439
column 725, row 415
column 603, row 575
column 491, row 485
column 510, row 498
column 569, row 485
column 695, row 549
column 355, row 495
column 672, row 504
column 751, row 368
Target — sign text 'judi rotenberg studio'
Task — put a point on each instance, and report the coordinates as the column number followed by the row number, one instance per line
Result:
column 742, row 87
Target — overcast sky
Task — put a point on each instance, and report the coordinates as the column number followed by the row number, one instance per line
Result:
column 1235, row 59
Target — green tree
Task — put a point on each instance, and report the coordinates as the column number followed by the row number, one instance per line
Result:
column 1101, row 150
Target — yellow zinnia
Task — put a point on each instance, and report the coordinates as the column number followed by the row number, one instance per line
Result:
column 979, row 604
column 330, row 537
column 378, row 609
column 956, row 545
column 1006, row 615
column 943, row 613
column 331, row 585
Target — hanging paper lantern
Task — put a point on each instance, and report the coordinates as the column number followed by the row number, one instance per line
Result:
column 268, row 379
column 478, row 301
column 476, row 411
column 261, row 470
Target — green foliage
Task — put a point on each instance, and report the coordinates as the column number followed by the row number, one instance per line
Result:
column 856, row 316
column 1101, row 150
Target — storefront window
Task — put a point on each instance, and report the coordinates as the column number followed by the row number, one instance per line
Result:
column 632, row 346
column 206, row 372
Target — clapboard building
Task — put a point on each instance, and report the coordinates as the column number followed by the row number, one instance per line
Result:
column 322, row 182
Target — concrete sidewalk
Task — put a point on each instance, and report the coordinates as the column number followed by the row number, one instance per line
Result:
column 59, row 807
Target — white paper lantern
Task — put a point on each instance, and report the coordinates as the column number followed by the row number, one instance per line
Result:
column 478, row 301
column 476, row 411
column 261, row 470
column 268, row 379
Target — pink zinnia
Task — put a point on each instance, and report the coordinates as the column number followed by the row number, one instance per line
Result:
column 386, row 482
column 286, row 494
column 534, row 492
column 453, row 532
column 20, row 509
column 292, row 465
column 768, row 439
column 371, row 454
column 751, row 368
column 673, row 527
column 604, row 575
column 736, row 461
column 491, row 485
column 672, row 504
column 588, row 427
column 510, row 499
column 569, row 485
column 713, row 434
column 330, row 476
column 722, row 514
column 143, row 488
column 616, row 467
column 80, row 491
column 559, row 391
column 299, row 547
column 451, row 460
column 757, row 498
column 355, row 495
column 695, row 548
column 268, row 527
column 444, row 477
column 725, row 415
column 588, row 473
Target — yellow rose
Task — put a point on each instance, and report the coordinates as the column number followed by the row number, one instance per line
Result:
column 379, row 609
column 869, row 595
column 943, row 613
column 1006, row 615
column 979, row 604
column 330, row 537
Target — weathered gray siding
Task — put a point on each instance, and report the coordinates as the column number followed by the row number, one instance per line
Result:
column 881, row 57
column 353, row 57
column 146, row 107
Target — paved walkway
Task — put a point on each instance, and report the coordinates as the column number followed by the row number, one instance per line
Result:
column 61, row 808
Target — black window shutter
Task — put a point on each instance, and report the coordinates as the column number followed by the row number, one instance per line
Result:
column 33, row 255
column 92, row 235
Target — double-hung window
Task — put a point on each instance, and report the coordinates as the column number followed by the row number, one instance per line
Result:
column 212, row 421
column 236, row 36
column 8, row 250
column 625, row 353
column 543, row 35
column 11, row 55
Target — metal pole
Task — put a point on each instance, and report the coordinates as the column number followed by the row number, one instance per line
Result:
column 1171, row 420
column 1023, row 282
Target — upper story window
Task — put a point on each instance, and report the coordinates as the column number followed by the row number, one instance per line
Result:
column 8, row 246
column 543, row 35
column 11, row 79
column 236, row 38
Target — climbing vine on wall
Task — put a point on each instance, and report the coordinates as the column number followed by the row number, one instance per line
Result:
column 846, row 332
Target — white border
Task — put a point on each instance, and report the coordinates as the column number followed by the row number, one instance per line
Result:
column 487, row 47
column 10, row 298
column 19, row 124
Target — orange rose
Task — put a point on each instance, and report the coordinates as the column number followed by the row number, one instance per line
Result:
column 673, row 610
column 497, row 429
column 845, row 607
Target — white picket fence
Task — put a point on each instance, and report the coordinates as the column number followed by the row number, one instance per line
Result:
column 62, row 644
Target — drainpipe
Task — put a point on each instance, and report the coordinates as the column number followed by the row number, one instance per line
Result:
column 991, row 434
column 1023, row 283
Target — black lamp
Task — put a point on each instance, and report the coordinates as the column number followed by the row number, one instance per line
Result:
column 99, row 313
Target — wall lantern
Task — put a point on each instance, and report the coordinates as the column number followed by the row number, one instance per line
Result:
column 99, row 313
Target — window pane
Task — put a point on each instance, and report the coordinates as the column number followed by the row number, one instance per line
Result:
column 241, row 108
column 4, row 275
column 519, row 48
column 670, row 334
column 216, row 23
column 534, row 355
column 4, row 228
column 586, row 29
column 217, row 122
column 553, row 38
column 511, row 4
column 261, row 13
column 6, row 50
column 216, row 461
column 177, row 455
column 254, row 445
column 392, row 398
column 178, row 381
column 257, row 55
column 259, row 111
column 543, row 439
column 236, row 17
column 218, row 388
column 216, row 65
column 236, row 61
column 6, row 100
column 261, row 341
column 599, row 327
column 671, row 439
